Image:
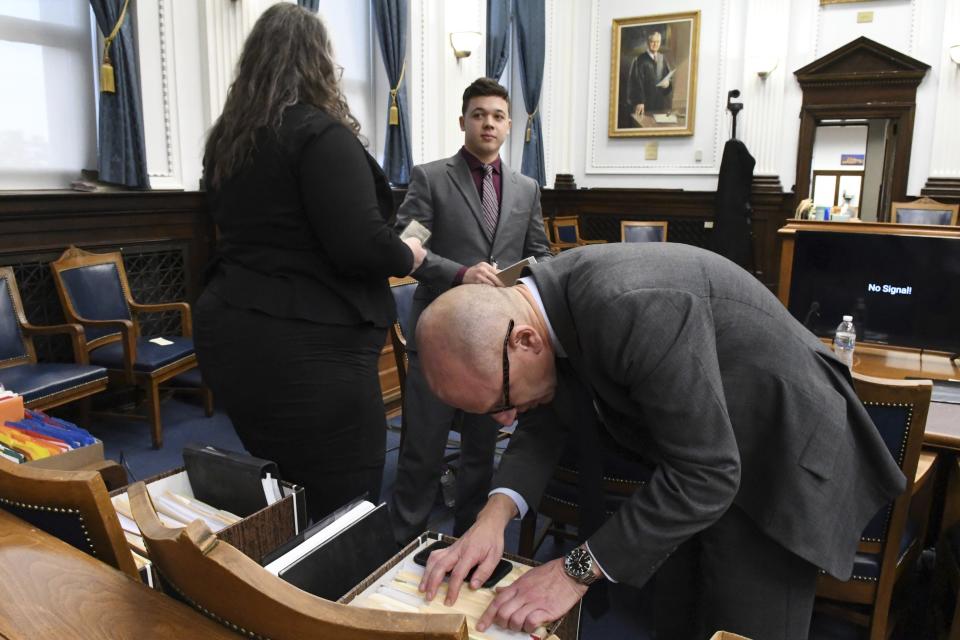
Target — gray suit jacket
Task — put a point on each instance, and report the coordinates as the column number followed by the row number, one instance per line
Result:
column 695, row 365
column 443, row 197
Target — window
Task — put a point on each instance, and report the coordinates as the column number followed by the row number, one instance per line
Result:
column 48, row 127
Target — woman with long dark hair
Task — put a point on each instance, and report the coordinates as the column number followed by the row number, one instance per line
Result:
column 290, row 326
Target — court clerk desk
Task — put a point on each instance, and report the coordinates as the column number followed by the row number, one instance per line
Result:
column 51, row 591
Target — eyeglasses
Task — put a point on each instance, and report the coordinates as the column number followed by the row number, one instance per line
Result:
column 506, row 406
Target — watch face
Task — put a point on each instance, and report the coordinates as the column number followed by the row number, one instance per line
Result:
column 578, row 563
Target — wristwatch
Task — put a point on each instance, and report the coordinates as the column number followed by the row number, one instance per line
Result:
column 578, row 564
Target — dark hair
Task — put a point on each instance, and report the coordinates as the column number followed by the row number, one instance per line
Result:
column 484, row 87
column 287, row 58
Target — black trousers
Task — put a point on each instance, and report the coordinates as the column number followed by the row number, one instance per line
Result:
column 733, row 577
column 302, row 394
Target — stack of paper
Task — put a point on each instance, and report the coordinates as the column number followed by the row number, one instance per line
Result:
column 175, row 511
column 398, row 590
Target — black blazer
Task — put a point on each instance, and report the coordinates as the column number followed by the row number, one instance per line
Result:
column 693, row 364
column 304, row 230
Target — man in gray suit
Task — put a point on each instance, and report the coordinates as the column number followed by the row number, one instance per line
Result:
column 766, row 465
column 482, row 214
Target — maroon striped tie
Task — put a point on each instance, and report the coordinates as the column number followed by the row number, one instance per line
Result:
column 488, row 203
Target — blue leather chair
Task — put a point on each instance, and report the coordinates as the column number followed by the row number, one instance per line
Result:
column 566, row 233
column 71, row 505
column 892, row 542
column 924, row 211
column 402, row 291
column 636, row 231
column 94, row 292
column 622, row 474
column 42, row 385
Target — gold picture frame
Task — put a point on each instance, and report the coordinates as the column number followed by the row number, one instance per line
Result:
column 653, row 59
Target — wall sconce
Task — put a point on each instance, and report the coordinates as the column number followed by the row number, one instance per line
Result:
column 765, row 67
column 955, row 54
column 464, row 42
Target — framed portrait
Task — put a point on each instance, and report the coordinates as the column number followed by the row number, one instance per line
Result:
column 653, row 75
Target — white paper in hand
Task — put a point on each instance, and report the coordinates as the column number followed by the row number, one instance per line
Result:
column 416, row 230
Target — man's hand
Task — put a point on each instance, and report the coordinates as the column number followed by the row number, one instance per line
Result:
column 541, row 595
column 481, row 546
column 482, row 273
column 638, row 110
column 663, row 84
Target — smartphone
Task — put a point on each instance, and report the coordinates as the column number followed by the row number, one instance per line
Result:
column 499, row 573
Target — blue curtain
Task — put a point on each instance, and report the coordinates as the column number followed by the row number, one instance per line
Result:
column 310, row 5
column 122, row 156
column 498, row 37
column 531, row 33
column 390, row 17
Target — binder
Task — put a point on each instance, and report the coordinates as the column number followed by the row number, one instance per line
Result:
column 332, row 568
column 228, row 480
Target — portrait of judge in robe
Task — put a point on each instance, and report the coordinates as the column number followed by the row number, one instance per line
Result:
column 653, row 75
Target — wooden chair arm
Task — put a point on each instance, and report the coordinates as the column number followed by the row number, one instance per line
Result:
column 128, row 332
column 75, row 331
column 113, row 474
column 186, row 320
column 924, row 473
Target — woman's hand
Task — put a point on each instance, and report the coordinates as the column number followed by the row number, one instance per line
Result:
column 419, row 253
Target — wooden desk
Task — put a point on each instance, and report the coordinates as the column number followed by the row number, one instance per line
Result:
column 50, row 590
column 943, row 426
column 891, row 362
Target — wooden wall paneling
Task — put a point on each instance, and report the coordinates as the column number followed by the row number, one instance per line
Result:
column 942, row 189
column 166, row 239
column 690, row 214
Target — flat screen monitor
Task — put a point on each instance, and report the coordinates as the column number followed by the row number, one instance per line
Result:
column 901, row 290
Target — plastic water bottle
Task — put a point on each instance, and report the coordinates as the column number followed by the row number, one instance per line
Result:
column 448, row 487
column 844, row 341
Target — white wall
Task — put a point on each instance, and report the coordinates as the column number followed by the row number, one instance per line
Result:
column 737, row 37
column 832, row 142
column 188, row 51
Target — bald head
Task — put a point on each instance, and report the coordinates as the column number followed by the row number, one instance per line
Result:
column 463, row 338
column 462, row 330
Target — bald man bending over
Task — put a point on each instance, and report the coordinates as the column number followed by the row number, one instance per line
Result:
column 767, row 466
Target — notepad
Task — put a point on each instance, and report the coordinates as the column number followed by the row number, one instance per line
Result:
column 665, row 118
column 163, row 342
column 511, row 274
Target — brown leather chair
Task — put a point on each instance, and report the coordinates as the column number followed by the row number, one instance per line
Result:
column 226, row 585
column 892, row 542
column 71, row 505
column 94, row 292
